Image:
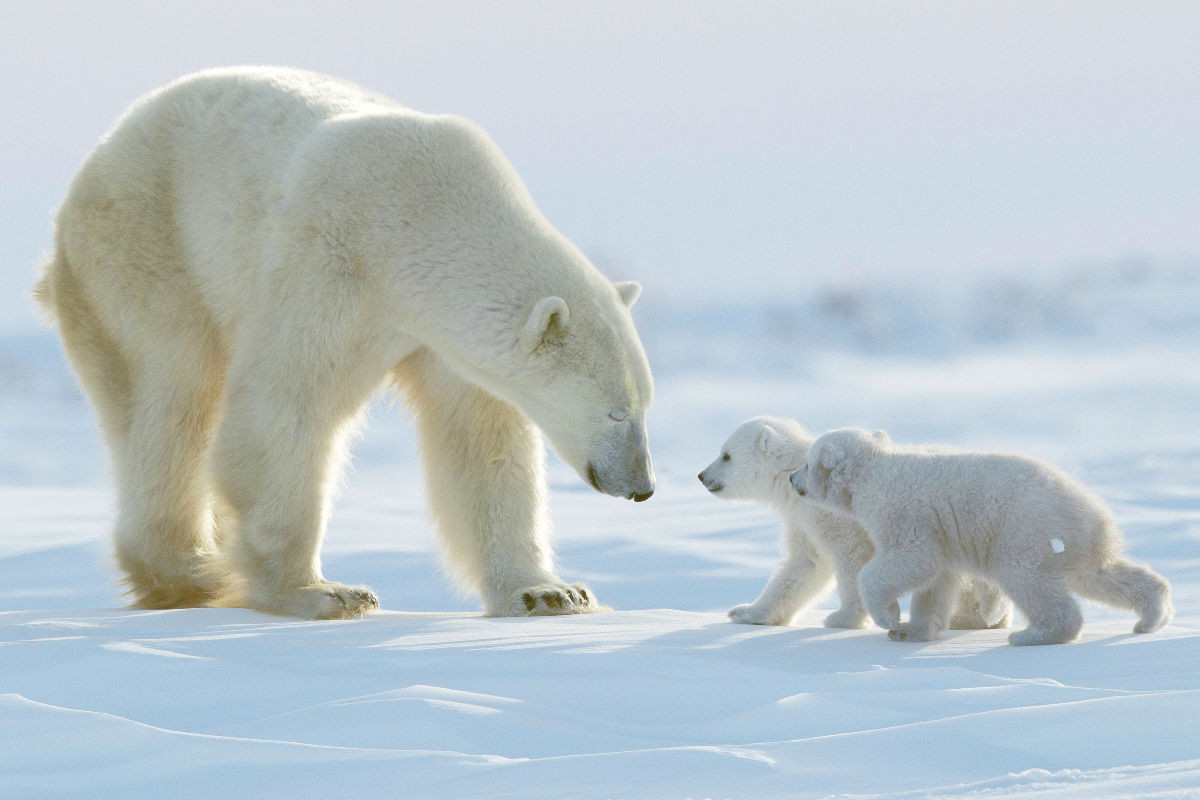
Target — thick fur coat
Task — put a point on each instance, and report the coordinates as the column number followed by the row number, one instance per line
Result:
column 755, row 464
column 1031, row 528
column 248, row 255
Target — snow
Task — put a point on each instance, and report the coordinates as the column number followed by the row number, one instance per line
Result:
column 663, row 697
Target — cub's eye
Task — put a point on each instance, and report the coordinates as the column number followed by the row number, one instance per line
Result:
column 725, row 456
column 619, row 417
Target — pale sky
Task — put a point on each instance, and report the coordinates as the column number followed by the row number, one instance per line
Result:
column 703, row 148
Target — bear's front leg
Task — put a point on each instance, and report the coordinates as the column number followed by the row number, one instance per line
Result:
column 797, row 579
column 891, row 573
column 484, row 465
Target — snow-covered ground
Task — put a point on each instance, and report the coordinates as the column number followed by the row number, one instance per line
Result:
column 663, row 698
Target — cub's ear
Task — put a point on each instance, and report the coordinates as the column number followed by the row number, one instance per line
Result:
column 881, row 437
column 829, row 456
column 547, row 323
column 629, row 292
column 835, row 460
column 771, row 442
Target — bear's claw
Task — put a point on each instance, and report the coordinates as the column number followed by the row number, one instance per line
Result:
column 554, row 600
column 345, row 602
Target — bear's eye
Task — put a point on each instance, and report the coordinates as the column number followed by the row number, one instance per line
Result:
column 621, row 417
column 725, row 456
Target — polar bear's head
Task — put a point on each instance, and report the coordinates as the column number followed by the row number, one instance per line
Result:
column 515, row 308
column 587, row 385
column 756, row 459
column 827, row 477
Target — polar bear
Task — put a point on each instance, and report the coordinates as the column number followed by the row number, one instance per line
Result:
column 248, row 255
column 1035, row 531
column 755, row 464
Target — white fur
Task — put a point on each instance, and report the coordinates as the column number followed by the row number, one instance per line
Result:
column 755, row 464
column 248, row 255
column 1031, row 528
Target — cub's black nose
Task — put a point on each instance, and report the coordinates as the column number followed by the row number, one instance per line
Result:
column 637, row 498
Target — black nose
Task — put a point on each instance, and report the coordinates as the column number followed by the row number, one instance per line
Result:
column 637, row 498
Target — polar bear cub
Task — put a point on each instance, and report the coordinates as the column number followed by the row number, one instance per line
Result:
column 1031, row 528
column 755, row 464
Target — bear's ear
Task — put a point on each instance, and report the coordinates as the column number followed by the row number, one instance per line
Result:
column 770, row 442
column 547, row 323
column 830, row 457
column 629, row 292
column 881, row 437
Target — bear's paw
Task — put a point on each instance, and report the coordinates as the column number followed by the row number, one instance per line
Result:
column 843, row 618
column 907, row 632
column 752, row 614
column 554, row 599
column 337, row 601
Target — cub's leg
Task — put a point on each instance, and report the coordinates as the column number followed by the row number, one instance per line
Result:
column 484, row 467
column 932, row 607
column 1046, row 601
column 797, row 579
column 981, row 604
column 1127, row 585
column 849, row 558
column 290, row 402
column 892, row 572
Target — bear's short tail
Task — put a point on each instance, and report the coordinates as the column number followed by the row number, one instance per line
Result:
column 43, row 290
column 1127, row 585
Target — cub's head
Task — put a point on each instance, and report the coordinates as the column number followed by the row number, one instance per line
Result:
column 827, row 477
column 755, row 457
column 588, row 386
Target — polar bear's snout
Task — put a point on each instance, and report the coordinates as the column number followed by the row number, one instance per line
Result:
column 798, row 480
column 639, row 489
column 712, row 485
column 626, row 469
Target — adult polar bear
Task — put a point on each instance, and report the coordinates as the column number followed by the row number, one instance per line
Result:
column 248, row 255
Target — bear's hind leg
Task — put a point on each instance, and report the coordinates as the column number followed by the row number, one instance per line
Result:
column 154, row 395
column 848, row 562
column 1054, row 616
column 1127, row 585
column 487, row 491
column 164, row 532
column 981, row 605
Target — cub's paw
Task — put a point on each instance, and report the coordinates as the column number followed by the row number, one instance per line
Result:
column 553, row 599
column 751, row 614
column 1038, row 636
column 846, row 619
column 988, row 615
column 907, row 632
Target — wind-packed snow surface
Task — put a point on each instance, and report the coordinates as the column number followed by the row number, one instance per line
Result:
column 662, row 698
